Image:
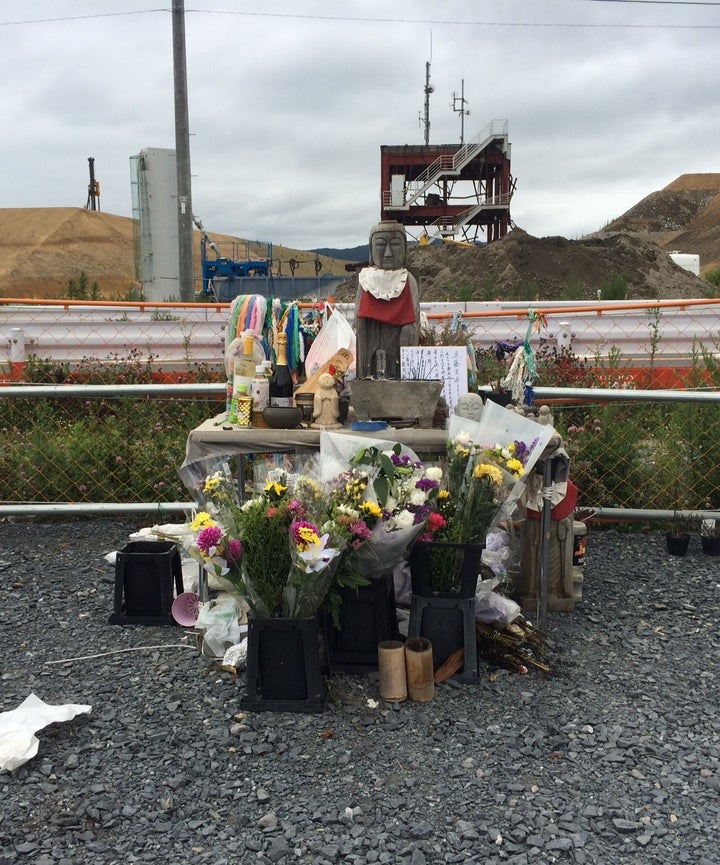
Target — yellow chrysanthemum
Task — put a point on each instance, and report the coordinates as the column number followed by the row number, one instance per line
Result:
column 211, row 484
column 307, row 537
column 355, row 488
column 483, row 470
column 516, row 467
column 443, row 494
column 202, row 521
column 371, row 508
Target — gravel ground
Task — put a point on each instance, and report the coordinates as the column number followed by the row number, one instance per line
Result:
column 613, row 758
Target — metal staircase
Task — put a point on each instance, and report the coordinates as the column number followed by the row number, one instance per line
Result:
column 448, row 165
column 445, row 227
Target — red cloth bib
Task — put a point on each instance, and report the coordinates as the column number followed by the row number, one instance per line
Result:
column 398, row 311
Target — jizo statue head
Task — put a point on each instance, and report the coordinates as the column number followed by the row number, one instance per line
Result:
column 388, row 245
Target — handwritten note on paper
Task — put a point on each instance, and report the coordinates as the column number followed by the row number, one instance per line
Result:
column 447, row 363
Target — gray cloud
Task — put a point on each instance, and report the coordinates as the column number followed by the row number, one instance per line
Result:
column 288, row 114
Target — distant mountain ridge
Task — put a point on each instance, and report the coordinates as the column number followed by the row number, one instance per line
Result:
column 355, row 253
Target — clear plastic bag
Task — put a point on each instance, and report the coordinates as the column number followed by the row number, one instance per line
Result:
column 336, row 333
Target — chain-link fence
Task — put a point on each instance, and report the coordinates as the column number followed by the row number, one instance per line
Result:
column 113, row 445
column 98, row 445
column 649, row 342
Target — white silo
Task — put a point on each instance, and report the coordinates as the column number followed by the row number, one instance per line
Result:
column 153, row 178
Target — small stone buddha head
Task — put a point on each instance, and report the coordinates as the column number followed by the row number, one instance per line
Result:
column 388, row 245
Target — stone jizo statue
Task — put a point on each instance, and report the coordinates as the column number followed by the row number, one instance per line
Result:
column 387, row 306
column 469, row 405
column 326, row 404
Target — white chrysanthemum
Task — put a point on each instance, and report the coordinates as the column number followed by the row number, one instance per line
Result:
column 404, row 520
column 434, row 473
column 418, row 497
column 462, row 438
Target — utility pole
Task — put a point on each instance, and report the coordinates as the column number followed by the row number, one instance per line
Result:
column 462, row 111
column 182, row 155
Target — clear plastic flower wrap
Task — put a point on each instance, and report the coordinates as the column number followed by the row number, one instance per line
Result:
column 211, row 483
column 315, row 558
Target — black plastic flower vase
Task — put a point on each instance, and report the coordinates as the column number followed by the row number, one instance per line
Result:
column 367, row 616
column 445, row 569
column 287, row 663
column 448, row 623
column 677, row 545
column 710, row 545
column 147, row 576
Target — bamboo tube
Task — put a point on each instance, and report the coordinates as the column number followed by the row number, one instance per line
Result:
column 391, row 666
column 420, row 673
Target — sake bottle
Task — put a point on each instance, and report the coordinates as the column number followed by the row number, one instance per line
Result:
column 281, row 383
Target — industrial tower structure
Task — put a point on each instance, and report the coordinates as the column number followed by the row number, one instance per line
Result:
column 450, row 189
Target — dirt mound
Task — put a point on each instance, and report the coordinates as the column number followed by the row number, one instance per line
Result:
column 523, row 267
column 42, row 248
column 684, row 216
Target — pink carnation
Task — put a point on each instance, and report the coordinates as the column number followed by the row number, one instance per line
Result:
column 360, row 530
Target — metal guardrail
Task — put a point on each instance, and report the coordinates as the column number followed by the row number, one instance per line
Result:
column 176, row 334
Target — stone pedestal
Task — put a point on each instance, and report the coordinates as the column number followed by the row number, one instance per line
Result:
column 386, row 399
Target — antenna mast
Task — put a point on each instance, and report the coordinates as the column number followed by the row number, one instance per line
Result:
column 462, row 111
column 428, row 90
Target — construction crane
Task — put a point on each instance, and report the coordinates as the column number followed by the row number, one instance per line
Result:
column 93, row 199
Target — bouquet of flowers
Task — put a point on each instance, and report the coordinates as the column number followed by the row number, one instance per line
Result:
column 296, row 539
column 219, row 552
column 215, row 546
column 314, row 564
column 210, row 482
column 464, row 510
column 262, row 524
column 398, row 485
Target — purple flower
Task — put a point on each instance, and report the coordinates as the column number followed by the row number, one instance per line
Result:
column 209, row 537
column 403, row 460
column 234, row 550
column 426, row 484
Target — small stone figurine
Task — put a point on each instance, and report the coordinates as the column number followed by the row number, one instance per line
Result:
column 469, row 405
column 326, row 405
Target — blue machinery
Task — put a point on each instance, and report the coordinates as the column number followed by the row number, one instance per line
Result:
column 229, row 269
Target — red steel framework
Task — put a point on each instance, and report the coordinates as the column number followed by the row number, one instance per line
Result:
column 450, row 189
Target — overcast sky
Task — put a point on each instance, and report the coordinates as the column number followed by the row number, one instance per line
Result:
column 289, row 103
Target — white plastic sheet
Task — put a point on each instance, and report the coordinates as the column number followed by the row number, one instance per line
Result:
column 18, row 742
